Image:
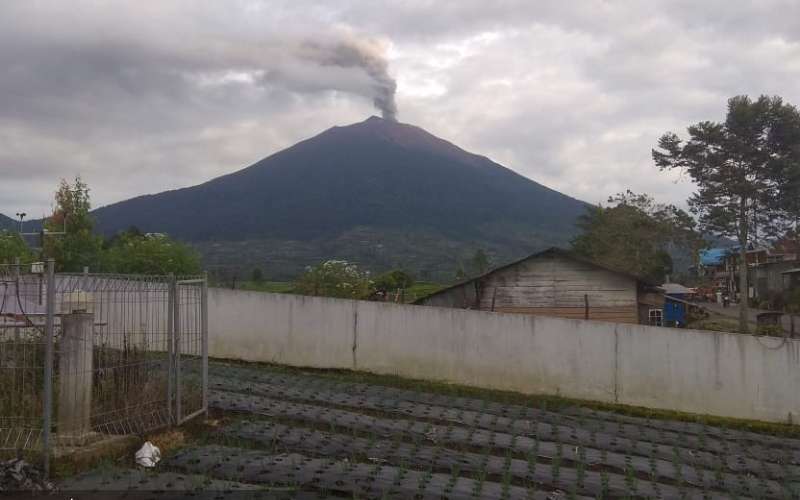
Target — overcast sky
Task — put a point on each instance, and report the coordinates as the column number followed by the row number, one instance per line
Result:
column 138, row 97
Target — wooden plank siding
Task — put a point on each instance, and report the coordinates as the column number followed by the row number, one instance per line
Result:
column 611, row 314
column 549, row 284
column 555, row 285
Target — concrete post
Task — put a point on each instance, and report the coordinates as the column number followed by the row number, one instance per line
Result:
column 75, row 368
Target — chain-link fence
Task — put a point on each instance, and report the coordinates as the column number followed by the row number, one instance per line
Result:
column 85, row 356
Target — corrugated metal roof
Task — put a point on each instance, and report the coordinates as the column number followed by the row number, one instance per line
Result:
column 676, row 289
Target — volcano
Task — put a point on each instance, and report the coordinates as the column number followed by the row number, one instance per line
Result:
column 379, row 192
column 6, row 223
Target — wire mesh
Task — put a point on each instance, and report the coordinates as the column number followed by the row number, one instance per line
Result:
column 22, row 344
column 189, row 350
column 127, row 355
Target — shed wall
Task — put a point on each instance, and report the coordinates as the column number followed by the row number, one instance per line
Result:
column 549, row 285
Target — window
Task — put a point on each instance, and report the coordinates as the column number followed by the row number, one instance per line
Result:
column 656, row 317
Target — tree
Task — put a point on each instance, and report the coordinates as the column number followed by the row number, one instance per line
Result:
column 479, row 263
column 744, row 170
column 13, row 247
column 257, row 276
column 635, row 234
column 131, row 232
column 786, row 164
column 133, row 253
column 79, row 246
column 394, row 280
column 335, row 278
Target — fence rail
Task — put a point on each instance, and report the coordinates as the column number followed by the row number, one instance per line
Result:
column 83, row 356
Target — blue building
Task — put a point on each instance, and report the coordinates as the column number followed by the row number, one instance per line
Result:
column 676, row 304
column 713, row 257
column 674, row 312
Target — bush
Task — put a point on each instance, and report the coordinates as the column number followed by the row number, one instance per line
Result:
column 770, row 330
column 13, row 247
column 335, row 278
column 150, row 254
column 394, row 280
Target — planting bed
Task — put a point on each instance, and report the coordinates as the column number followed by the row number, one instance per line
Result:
column 290, row 434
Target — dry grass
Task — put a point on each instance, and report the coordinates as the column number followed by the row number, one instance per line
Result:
column 168, row 440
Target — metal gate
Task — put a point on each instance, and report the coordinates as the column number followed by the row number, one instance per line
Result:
column 85, row 356
column 190, row 352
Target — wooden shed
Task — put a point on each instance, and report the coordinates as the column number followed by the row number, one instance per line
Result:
column 558, row 283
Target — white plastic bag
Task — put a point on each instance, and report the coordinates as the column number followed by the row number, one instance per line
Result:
column 148, row 455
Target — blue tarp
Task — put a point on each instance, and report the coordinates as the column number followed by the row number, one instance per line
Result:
column 713, row 256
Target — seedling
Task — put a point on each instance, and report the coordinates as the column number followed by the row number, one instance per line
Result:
column 455, row 473
column 580, row 469
column 604, row 483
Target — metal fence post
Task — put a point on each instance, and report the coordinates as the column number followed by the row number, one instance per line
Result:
column 170, row 343
column 204, row 332
column 49, row 334
column 177, row 333
column 16, row 290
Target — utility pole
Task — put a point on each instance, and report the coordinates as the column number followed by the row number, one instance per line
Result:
column 21, row 215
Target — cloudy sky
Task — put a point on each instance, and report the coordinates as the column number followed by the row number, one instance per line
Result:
column 138, row 97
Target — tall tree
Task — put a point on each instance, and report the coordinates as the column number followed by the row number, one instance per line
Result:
column 79, row 246
column 744, row 172
column 786, row 166
column 636, row 234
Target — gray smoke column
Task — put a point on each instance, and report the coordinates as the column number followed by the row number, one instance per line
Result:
column 365, row 54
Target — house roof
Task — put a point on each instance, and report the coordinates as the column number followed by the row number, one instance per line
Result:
column 676, row 289
column 550, row 251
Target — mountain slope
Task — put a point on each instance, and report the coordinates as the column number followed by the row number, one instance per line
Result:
column 7, row 223
column 377, row 176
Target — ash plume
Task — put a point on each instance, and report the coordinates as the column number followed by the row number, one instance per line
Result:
column 364, row 54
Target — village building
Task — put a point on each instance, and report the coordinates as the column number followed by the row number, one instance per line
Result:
column 558, row 283
column 768, row 270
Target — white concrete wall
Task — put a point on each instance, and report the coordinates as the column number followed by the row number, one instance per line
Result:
column 694, row 371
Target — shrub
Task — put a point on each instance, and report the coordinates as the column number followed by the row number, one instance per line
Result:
column 335, row 278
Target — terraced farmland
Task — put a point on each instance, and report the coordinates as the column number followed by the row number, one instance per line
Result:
column 288, row 434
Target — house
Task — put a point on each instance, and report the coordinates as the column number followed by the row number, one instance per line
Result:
column 558, row 283
column 765, row 270
column 676, row 304
column 791, row 279
column 716, row 268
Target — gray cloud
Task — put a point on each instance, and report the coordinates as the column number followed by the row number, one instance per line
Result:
column 140, row 97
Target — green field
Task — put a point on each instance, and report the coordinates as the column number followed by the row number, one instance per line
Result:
column 267, row 286
column 421, row 289
column 413, row 293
